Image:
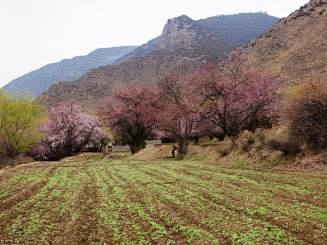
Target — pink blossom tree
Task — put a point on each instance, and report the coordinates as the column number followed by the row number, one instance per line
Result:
column 179, row 116
column 131, row 114
column 67, row 130
column 235, row 97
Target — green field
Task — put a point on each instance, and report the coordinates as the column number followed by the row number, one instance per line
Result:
column 89, row 200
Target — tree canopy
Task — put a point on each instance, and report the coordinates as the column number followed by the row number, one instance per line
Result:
column 19, row 122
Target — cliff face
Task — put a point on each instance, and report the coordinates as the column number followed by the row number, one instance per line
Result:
column 178, row 33
column 296, row 47
column 184, row 45
column 214, row 34
column 183, row 32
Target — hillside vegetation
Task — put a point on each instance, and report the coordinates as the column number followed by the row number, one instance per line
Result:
column 295, row 48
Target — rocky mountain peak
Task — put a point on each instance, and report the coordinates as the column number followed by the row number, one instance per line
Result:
column 182, row 20
column 178, row 32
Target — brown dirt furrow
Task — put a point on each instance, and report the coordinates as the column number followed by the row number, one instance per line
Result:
column 21, row 196
column 84, row 229
column 279, row 195
column 19, row 186
column 3, row 170
column 138, row 194
column 288, row 225
column 26, row 193
column 16, row 212
column 305, row 234
column 282, row 224
column 130, row 217
column 284, row 197
column 167, row 208
column 9, row 173
column 266, row 179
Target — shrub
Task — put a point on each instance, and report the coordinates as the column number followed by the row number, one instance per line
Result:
column 246, row 140
column 225, row 147
column 280, row 141
column 3, row 151
column 306, row 115
column 259, row 135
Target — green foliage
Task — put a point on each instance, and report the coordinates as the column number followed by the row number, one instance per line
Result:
column 140, row 202
column 19, row 121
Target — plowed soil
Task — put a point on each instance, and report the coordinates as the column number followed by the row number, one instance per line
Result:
column 92, row 200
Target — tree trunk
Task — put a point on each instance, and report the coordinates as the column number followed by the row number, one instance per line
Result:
column 182, row 149
column 173, row 150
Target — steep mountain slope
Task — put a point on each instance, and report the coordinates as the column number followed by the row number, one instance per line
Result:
column 40, row 80
column 230, row 30
column 296, row 47
column 184, row 45
column 239, row 28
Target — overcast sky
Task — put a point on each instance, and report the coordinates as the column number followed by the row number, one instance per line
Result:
column 34, row 33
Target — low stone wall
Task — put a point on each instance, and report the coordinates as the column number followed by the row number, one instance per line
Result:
column 153, row 142
column 120, row 148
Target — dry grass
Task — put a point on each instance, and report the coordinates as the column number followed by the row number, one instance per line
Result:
column 295, row 48
column 264, row 149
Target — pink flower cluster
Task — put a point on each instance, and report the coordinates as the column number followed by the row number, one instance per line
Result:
column 67, row 130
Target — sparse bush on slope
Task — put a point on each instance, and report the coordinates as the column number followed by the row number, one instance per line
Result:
column 306, row 115
column 281, row 141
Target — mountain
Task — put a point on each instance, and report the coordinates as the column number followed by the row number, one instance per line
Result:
column 184, row 45
column 239, row 28
column 183, row 34
column 296, row 47
column 40, row 80
column 230, row 30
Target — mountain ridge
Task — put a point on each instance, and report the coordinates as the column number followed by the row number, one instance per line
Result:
column 37, row 81
column 217, row 21
column 184, row 45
